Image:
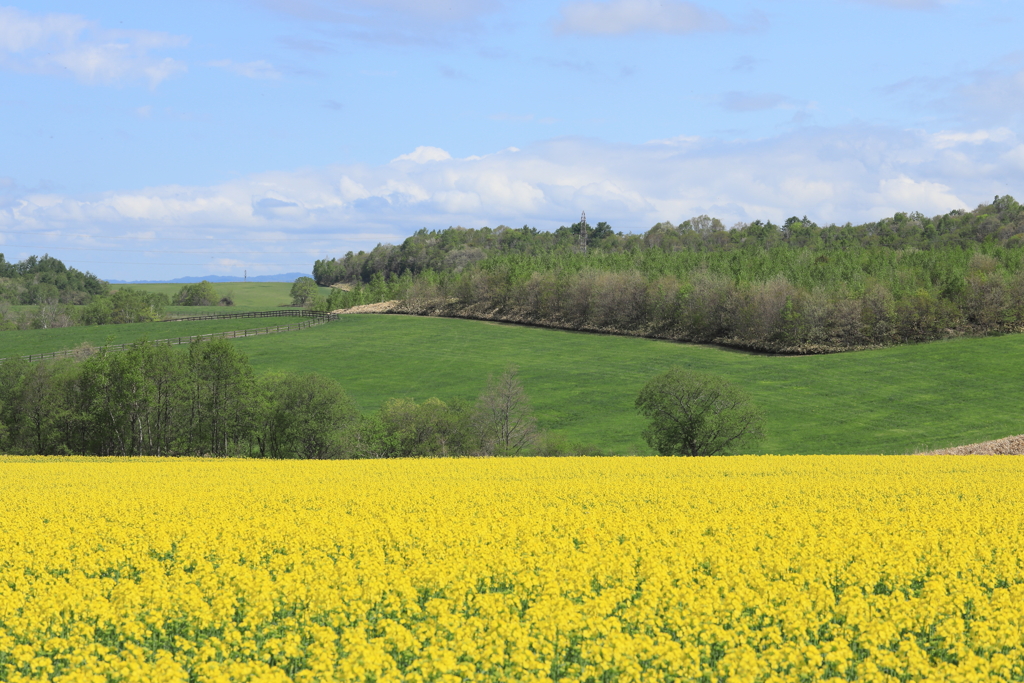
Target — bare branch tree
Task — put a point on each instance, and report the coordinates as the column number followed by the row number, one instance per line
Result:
column 506, row 423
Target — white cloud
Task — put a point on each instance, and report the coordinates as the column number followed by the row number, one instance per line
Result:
column 259, row 69
column 896, row 194
column 615, row 17
column 852, row 173
column 946, row 139
column 57, row 44
column 422, row 155
column 678, row 141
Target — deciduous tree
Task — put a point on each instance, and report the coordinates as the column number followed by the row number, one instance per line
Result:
column 697, row 414
column 303, row 290
column 504, row 417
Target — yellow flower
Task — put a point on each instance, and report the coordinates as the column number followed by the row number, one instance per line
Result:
column 629, row 569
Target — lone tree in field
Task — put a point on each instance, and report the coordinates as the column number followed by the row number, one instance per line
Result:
column 303, row 290
column 198, row 294
column 504, row 418
column 695, row 414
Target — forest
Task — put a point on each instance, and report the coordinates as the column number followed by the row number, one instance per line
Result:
column 151, row 399
column 39, row 279
column 63, row 296
column 794, row 288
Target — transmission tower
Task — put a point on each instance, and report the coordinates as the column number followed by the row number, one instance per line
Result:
column 583, row 232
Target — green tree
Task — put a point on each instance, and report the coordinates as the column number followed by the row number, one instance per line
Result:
column 136, row 306
column 404, row 429
column 697, row 414
column 44, row 407
column 303, row 290
column 134, row 400
column 198, row 294
column 305, row 416
column 124, row 306
column 220, row 399
column 13, row 375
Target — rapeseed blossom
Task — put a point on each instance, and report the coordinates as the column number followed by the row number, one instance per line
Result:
column 575, row 569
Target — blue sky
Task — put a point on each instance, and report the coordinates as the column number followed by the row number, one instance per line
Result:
column 155, row 140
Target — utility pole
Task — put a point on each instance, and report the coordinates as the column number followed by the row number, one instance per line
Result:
column 245, row 278
column 583, row 232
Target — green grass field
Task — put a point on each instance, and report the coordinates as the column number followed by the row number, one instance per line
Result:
column 24, row 342
column 895, row 400
column 248, row 296
column 582, row 386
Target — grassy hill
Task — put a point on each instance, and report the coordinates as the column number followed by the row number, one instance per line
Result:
column 248, row 296
column 582, row 386
column 894, row 400
column 24, row 342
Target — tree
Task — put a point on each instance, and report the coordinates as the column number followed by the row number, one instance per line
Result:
column 504, row 418
column 124, row 306
column 403, row 428
column 303, row 290
column 198, row 294
column 600, row 231
column 304, row 416
column 133, row 401
column 221, row 398
column 697, row 414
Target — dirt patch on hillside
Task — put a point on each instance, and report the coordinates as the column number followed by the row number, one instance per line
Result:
column 382, row 307
column 1011, row 445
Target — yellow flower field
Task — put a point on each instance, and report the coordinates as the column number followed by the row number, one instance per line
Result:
column 616, row 569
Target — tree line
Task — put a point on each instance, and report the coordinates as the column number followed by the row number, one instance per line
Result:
column 154, row 400
column 40, row 279
column 456, row 248
column 791, row 288
column 97, row 306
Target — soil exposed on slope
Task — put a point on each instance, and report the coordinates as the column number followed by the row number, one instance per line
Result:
column 382, row 307
column 1011, row 445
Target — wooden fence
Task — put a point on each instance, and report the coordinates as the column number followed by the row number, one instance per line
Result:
column 323, row 317
column 314, row 320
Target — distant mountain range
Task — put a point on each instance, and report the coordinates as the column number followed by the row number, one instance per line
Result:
column 281, row 277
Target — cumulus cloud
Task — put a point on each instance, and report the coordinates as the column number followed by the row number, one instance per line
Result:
column 852, row 173
column 946, row 139
column 58, row 44
column 613, row 17
column 422, row 155
column 273, row 208
column 259, row 69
